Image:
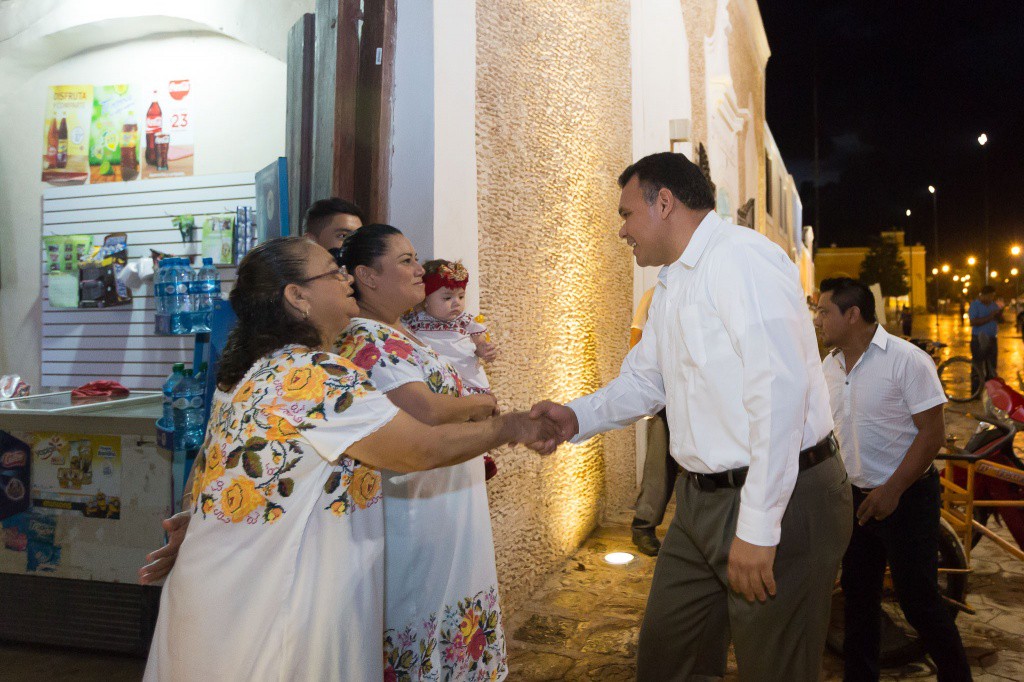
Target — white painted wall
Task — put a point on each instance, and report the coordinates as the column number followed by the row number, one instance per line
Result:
column 238, row 96
column 660, row 56
column 411, row 201
column 456, row 225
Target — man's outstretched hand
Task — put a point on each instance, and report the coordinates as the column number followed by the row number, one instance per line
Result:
column 564, row 417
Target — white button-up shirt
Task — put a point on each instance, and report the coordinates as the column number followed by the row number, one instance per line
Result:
column 729, row 350
column 873, row 405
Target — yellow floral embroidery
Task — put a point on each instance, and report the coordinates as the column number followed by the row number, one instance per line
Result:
column 305, row 383
column 240, row 498
column 244, row 394
column 365, row 486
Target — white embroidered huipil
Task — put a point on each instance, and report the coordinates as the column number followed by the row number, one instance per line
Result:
column 730, row 352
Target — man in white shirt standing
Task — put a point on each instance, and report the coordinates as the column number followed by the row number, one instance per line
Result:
column 763, row 502
column 887, row 406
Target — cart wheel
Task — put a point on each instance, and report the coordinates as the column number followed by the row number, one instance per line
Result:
column 957, row 377
column 900, row 644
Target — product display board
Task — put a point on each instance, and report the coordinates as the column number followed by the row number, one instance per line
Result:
column 82, row 345
column 118, row 133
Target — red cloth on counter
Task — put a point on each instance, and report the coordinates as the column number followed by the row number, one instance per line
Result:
column 100, row 388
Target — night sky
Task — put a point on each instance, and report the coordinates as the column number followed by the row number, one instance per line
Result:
column 905, row 88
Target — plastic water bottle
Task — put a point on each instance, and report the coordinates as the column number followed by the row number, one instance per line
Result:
column 177, row 372
column 207, row 290
column 181, row 303
column 193, row 416
column 180, row 400
column 159, row 275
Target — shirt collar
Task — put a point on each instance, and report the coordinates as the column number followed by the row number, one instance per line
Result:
column 698, row 242
column 700, row 239
column 881, row 337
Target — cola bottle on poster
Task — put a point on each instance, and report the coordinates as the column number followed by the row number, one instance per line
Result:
column 154, row 126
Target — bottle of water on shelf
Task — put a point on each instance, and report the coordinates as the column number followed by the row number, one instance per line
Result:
column 181, row 302
column 177, row 372
column 180, row 401
column 207, row 291
column 193, row 416
column 159, row 275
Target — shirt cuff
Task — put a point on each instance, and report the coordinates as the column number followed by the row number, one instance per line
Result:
column 758, row 527
column 585, row 418
column 927, row 404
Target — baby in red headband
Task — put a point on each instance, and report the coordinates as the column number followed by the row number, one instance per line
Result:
column 442, row 322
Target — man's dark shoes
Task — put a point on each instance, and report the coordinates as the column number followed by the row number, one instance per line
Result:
column 646, row 541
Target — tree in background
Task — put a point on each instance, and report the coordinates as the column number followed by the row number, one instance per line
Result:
column 883, row 265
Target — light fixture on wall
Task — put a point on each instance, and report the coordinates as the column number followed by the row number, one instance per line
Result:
column 618, row 558
column 678, row 135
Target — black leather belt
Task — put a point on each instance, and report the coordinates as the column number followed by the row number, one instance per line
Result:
column 734, row 478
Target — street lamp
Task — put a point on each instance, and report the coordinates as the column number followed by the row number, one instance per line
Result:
column 994, row 274
column 983, row 141
column 935, row 271
column 945, row 268
column 1014, row 250
column 971, row 260
column 1014, row 272
column 956, row 278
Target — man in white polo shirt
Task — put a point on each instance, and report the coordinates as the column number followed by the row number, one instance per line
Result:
column 887, row 407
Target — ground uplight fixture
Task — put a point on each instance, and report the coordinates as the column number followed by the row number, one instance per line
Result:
column 618, row 558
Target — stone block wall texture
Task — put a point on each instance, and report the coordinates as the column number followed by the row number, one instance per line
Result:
column 553, row 126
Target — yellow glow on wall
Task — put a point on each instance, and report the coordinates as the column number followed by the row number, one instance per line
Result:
column 553, row 132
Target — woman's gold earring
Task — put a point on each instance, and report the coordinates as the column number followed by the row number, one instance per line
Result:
column 305, row 314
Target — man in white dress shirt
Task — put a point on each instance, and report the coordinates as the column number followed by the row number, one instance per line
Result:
column 887, row 405
column 763, row 504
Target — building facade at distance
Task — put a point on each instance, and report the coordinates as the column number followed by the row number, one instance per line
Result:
column 846, row 261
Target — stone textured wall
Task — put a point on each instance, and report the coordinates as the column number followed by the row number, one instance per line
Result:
column 553, row 132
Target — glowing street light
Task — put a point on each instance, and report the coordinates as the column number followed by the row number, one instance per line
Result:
column 956, row 278
column 945, row 268
column 908, row 212
column 982, row 139
column 1014, row 272
column 993, row 274
column 966, row 277
column 931, row 189
column 971, row 260
column 1014, row 250
column 935, row 271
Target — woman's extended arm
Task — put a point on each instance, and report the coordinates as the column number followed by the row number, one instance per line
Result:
column 437, row 408
column 405, row 444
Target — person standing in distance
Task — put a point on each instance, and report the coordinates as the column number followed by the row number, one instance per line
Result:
column 984, row 314
column 763, row 508
column 329, row 221
column 887, row 405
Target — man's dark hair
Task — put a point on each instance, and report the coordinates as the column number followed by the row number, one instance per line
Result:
column 321, row 211
column 847, row 292
column 988, row 289
column 674, row 172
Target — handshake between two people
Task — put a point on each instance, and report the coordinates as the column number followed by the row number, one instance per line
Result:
column 553, row 424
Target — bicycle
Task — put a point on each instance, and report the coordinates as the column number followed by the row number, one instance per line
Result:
column 959, row 379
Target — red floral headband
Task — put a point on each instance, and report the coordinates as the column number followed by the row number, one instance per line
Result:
column 448, row 276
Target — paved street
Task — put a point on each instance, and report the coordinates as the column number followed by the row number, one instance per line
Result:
column 582, row 625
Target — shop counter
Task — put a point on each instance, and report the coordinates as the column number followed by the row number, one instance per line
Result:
column 83, row 489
